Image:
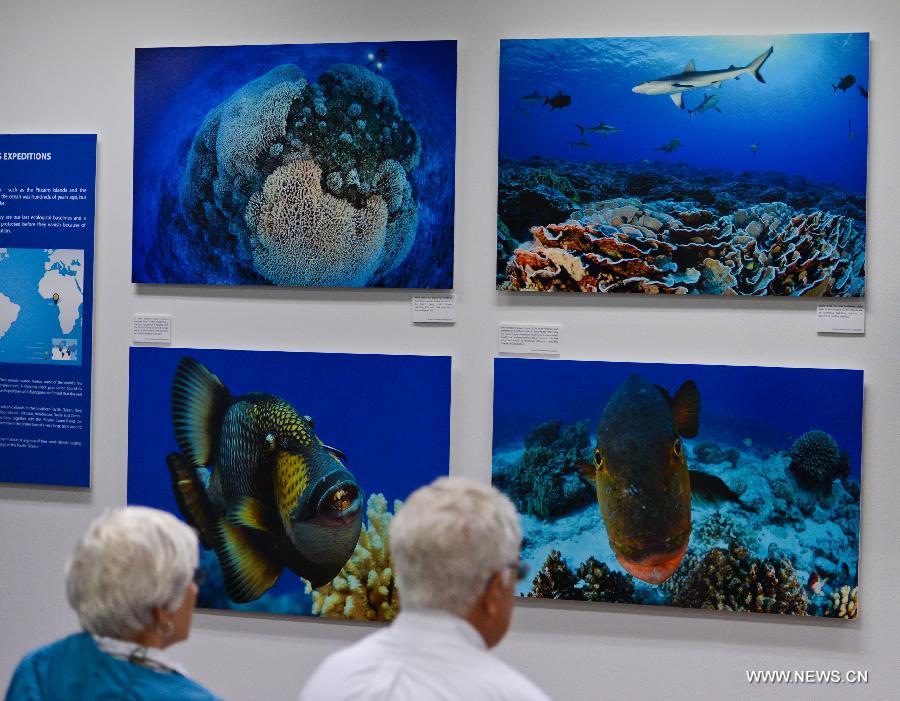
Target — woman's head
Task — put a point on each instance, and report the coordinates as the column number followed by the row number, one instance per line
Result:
column 132, row 574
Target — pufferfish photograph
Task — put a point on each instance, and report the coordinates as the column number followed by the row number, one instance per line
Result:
column 289, row 466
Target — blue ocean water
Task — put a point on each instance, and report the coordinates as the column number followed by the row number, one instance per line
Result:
column 175, row 88
column 390, row 415
column 770, row 407
column 800, row 123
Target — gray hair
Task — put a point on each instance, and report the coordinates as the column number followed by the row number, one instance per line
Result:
column 448, row 540
column 131, row 561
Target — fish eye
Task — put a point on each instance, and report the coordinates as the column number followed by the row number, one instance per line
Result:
column 678, row 448
column 598, row 459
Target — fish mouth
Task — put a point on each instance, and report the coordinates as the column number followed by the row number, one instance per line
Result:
column 335, row 500
column 655, row 568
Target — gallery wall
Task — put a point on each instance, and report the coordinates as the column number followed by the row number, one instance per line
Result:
column 68, row 68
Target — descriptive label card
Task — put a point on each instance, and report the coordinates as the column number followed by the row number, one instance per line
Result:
column 840, row 318
column 434, row 309
column 152, row 328
column 529, row 338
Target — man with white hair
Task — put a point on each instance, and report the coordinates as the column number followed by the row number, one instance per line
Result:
column 455, row 546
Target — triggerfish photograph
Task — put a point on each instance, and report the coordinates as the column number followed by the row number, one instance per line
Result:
column 702, row 165
column 725, row 488
column 289, row 466
column 295, row 165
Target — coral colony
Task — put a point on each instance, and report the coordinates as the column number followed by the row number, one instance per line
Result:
column 255, row 170
column 364, row 589
column 624, row 245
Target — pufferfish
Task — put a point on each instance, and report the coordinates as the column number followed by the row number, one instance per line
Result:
column 259, row 485
column 643, row 484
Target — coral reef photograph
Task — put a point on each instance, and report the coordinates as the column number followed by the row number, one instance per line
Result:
column 289, row 466
column 717, row 487
column 707, row 165
column 303, row 165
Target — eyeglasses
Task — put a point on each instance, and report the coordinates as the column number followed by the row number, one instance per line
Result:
column 521, row 569
column 199, row 576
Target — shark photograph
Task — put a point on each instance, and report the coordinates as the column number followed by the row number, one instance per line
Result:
column 684, row 165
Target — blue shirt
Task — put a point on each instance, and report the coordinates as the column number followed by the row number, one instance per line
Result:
column 75, row 668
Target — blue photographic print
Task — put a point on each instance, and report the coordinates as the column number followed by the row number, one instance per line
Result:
column 290, row 467
column 695, row 486
column 306, row 165
column 708, row 165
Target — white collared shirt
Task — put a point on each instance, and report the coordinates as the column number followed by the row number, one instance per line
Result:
column 132, row 652
column 422, row 656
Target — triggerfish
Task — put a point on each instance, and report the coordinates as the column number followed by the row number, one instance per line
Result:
column 643, row 483
column 259, row 485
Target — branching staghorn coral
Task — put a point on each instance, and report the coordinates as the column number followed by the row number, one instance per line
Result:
column 364, row 589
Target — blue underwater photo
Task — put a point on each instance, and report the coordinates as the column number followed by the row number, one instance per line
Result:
column 290, row 467
column 716, row 487
column 710, row 165
column 308, row 165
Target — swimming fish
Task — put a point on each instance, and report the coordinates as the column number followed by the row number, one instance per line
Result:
column 534, row 95
column 584, row 143
column 863, row 92
column 816, row 583
column 690, row 78
column 640, row 472
column 558, row 101
column 670, row 147
column 709, row 103
column 844, row 84
column 276, row 496
column 754, row 148
column 601, row 128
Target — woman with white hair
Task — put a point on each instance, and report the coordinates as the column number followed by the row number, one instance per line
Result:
column 133, row 582
column 455, row 547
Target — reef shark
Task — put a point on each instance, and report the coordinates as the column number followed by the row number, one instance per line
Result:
column 690, row 79
column 605, row 129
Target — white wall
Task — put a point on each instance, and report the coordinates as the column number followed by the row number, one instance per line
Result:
column 68, row 67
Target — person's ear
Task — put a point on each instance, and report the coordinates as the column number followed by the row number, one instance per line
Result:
column 163, row 625
column 493, row 594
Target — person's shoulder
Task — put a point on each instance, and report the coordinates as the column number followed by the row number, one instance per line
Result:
column 357, row 662
column 182, row 688
column 508, row 682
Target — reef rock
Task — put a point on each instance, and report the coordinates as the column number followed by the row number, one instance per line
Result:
column 545, row 481
column 555, row 580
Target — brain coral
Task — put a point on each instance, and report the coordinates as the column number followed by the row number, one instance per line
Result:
column 364, row 589
column 627, row 246
column 816, row 459
column 301, row 183
column 731, row 580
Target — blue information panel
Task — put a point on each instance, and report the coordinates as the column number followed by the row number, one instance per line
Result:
column 46, row 296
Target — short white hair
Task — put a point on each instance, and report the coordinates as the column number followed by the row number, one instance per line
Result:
column 129, row 562
column 448, row 540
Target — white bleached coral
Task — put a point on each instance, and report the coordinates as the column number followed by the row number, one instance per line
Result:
column 302, row 235
column 364, row 589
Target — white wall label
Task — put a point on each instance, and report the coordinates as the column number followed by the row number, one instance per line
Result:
column 152, row 328
column 529, row 338
column 434, row 309
column 840, row 318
